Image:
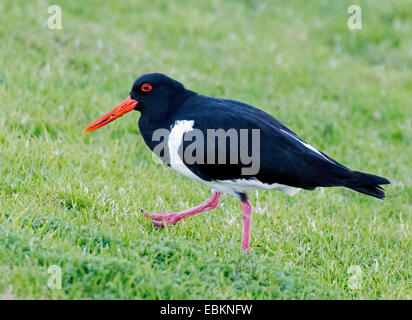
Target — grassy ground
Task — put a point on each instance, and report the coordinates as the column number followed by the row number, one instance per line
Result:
column 72, row 200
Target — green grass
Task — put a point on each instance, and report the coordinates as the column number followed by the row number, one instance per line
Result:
column 72, row 200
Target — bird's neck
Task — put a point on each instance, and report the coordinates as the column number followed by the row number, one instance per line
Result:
column 162, row 117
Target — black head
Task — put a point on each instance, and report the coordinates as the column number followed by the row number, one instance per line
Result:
column 153, row 94
column 156, row 91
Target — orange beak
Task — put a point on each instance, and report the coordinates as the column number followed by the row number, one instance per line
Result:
column 123, row 108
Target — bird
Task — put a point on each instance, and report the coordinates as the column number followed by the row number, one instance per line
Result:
column 173, row 118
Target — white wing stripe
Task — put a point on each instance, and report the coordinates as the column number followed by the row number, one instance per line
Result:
column 307, row 145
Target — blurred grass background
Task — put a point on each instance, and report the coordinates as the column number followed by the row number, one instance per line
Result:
column 72, row 200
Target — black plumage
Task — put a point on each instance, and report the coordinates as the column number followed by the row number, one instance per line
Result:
column 284, row 157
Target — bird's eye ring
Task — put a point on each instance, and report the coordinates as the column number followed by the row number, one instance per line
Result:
column 146, row 87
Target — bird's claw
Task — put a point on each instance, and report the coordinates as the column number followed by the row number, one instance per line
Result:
column 160, row 220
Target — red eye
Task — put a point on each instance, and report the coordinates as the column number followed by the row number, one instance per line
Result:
column 146, row 87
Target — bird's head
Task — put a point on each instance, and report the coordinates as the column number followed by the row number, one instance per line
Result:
column 152, row 93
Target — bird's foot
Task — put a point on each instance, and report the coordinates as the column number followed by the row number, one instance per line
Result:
column 160, row 220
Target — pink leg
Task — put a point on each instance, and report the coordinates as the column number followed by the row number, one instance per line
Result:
column 247, row 217
column 175, row 217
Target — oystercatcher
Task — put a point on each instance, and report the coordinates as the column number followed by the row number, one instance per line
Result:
column 274, row 157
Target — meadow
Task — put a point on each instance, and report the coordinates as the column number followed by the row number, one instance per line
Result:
column 72, row 201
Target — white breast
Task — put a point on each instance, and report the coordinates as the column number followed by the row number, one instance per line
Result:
column 175, row 140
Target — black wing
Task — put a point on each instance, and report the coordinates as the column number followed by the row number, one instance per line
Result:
column 283, row 158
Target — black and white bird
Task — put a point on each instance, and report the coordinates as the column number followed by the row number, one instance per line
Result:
column 282, row 160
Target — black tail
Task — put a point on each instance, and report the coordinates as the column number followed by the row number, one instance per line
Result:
column 368, row 184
